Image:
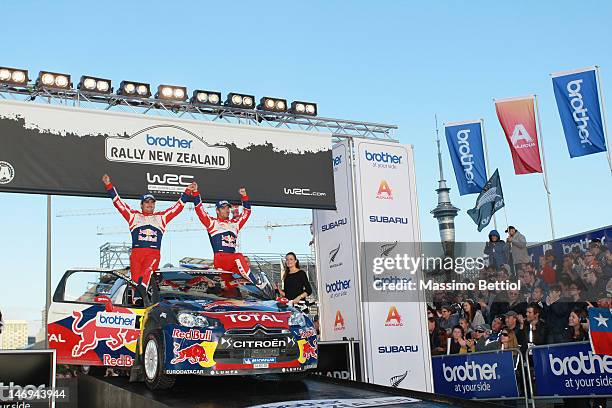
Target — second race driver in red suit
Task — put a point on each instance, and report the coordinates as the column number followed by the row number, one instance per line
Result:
column 147, row 228
column 223, row 233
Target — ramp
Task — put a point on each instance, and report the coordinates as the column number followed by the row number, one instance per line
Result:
column 264, row 391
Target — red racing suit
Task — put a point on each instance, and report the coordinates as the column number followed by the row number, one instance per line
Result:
column 147, row 231
column 223, row 235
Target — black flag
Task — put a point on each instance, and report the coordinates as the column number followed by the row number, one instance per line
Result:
column 490, row 199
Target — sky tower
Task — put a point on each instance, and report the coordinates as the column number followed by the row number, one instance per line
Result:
column 445, row 212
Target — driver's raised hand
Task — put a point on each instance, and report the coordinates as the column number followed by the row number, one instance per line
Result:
column 192, row 187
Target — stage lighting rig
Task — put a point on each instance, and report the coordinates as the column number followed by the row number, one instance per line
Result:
column 171, row 93
column 272, row 104
column 134, row 89
column 236, row 100
column 304, row 108
column 53, row 81
column 201, row 97
column 13, row 76
column 95, row 85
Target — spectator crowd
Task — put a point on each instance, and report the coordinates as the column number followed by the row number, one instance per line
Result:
column 550, row 307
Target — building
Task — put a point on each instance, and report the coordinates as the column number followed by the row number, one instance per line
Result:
column 14, row 335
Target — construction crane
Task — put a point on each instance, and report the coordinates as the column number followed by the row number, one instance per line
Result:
column 106, row 211
column 180, row 227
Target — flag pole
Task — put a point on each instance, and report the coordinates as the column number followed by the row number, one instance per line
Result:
column 487, row 168
column 544, row 172
column 603, row 118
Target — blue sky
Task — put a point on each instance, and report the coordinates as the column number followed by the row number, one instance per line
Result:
column 394, row 62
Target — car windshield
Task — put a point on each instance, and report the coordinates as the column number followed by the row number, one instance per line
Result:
column 211, row 285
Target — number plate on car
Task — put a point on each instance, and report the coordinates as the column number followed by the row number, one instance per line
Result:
column 269, row 352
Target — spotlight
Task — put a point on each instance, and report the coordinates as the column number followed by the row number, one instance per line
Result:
column 272, row 104
column 201, row 97
column 95, row 85
column 304, row 108
column 134, row 89
column 53, row 80
column 171, row 93
column 13, row 76
column 240, row 101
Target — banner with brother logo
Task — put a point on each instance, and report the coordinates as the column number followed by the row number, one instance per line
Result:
column 571, row 370
column 395, row 345
column 52, row 149
column 577, row 96
column 467, row 154
column 336, row 255
column 478, row 375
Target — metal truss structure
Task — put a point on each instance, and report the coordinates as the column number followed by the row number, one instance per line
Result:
column 340, row 128
column 115, row 255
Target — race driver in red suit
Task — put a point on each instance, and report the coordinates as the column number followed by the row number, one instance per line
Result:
column 223, row 233
column 147, row 228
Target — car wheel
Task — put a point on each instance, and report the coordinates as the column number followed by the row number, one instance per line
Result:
column 153, row 359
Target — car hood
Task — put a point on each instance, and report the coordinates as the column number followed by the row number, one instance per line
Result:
column 228, row 305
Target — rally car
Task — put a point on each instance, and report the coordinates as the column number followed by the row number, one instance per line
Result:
column 198, row 321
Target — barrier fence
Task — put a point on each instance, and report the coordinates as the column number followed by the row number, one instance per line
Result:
column 486, row 375
column 569, row 370
column 566, row 370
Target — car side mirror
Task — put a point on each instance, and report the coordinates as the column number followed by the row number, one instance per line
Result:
column 108, row 303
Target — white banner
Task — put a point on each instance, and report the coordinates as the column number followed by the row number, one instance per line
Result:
column 336, row 255
column 396, row 340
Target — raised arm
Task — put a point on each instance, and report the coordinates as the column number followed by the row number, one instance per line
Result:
column 246, row 212
column 176, row 209
column 119, row 204
column 199, row 209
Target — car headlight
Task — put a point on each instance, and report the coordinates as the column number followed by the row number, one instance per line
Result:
column 192, row 320
column 297, row 319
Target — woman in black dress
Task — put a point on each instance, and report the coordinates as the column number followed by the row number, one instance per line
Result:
column 295, row 281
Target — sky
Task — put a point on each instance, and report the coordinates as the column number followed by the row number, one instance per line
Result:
column 394, row 62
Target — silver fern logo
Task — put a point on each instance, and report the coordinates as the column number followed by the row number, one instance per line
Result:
column 395, row 381
column 332, row 257
column 333, row 253
column 385, row 249
column 490, row 196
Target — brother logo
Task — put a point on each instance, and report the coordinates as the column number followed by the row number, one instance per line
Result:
column 338, row 286
column 581, row 364
column 169, row 141
column 469, row 371
column 105, row 319
column 580, row 113
column 383, row 157
column 465, row 154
